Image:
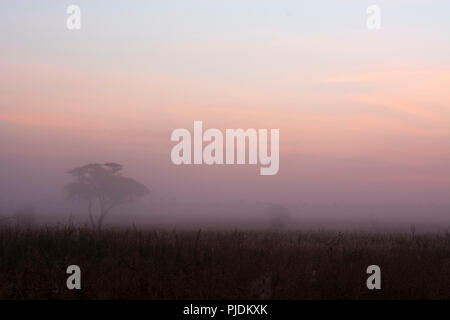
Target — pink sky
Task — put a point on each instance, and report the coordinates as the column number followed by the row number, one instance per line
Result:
column 362, row 116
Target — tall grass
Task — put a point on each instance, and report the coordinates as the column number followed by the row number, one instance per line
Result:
column 164, row 264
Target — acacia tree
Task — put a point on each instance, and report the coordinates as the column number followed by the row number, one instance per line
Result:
column 104, row 186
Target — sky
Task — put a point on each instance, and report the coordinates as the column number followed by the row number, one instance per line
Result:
column 364, row 115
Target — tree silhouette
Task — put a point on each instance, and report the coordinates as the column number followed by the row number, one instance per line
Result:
column 279, row 216
column 105, row 186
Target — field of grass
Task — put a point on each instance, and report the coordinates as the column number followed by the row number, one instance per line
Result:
column 162, row 264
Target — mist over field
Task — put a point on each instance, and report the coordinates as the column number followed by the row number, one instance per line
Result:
column 172, row 211
column 363, row 114
column 118, row 179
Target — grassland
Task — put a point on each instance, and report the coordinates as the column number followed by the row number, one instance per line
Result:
column 162, row 264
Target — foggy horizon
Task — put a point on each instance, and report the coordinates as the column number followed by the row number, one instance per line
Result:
column 225, row 159
column 363, row 116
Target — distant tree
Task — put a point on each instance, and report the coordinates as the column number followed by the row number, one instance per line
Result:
column 279, row 216
column 104, row 186
column 25, row 216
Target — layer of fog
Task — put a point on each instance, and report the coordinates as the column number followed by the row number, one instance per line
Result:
column 162, row 213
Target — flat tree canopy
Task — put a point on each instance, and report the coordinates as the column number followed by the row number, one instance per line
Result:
column 103, row 185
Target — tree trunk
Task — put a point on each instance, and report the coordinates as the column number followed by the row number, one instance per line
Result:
column 91, row 218
column 101, row 218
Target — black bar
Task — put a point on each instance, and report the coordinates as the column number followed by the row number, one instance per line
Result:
column 224, row 309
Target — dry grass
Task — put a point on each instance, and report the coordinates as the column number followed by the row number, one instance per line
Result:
column 132, row 264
